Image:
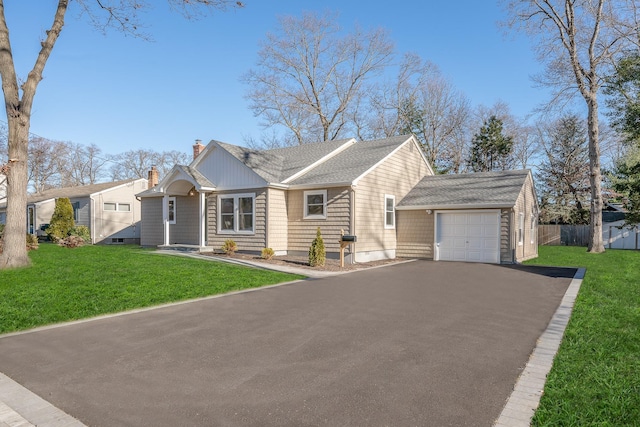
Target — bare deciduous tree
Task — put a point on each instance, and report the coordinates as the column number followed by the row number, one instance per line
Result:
column 309, row 76
column 82, row 165
column 44, row 158
column 133, row 164
column 137, row 163
column 123, row 15
column 579, row 41
column 421, row 101
column 563, row 175
column 389, row 100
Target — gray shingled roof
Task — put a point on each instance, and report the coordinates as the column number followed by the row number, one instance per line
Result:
column 497, row 189
column 351, row 163
column 197, row 176
column 74, row 192
column 278, row 164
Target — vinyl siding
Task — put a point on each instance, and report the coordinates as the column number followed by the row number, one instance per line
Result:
column 301, row 232
column 525, row 204
column 246, row 242
column 415, row 230
column 116, row 224
column 43, row 213
column 185, row 230
column 151, row 233
column 278, row 228
column 506, row 236
column 227, row 172
column 396, row 176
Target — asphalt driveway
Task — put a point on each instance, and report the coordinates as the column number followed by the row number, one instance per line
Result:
column 421, row 343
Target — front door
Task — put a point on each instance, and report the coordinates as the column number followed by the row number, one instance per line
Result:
column 31, row 220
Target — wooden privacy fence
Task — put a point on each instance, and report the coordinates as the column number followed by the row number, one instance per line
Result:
column 578, row 235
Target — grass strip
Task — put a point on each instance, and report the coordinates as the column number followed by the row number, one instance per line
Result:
column 69, row 284
column 595, row 379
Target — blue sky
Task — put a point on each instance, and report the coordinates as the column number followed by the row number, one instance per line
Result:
column 123, row 93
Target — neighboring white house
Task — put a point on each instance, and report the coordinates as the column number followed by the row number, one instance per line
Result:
column 110, row 210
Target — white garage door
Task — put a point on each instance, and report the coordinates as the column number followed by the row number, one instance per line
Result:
column 468, row 236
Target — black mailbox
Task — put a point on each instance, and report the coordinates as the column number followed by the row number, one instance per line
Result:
column 349, row 238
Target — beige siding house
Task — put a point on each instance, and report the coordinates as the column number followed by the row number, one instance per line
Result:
column 372, row 189
column 110, row 210
column 481, row 217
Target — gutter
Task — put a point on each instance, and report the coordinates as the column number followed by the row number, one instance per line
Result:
column 455, row 206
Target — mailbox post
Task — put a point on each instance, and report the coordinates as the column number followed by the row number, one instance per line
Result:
column 345, row 240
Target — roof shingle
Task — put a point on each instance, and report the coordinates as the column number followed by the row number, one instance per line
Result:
column 73, row 192
column 498, row 189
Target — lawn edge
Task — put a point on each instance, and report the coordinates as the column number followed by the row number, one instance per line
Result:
column 525, row 397
column 144, row 309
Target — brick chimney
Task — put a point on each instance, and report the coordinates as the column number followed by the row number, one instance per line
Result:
column 197, row 148
column 153, row 177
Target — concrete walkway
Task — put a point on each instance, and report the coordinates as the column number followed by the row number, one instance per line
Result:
column 21, row 407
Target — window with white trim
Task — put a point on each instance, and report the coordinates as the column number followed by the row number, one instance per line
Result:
column 520, row 228
column 315, row 204
column 113, row 207
column 76, row 208
column 171, row 210
column 533, row 227
column 236, row 213
column 389, row 211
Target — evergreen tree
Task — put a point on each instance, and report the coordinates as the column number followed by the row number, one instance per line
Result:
column 626, row 180
column 623, row 89
column 62, row 220
column 317, row 253
column 491, row 149
column 563, row 176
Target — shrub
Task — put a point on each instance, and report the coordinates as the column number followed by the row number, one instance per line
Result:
column 71, row 242
column 267, row 253
column 61, row 220
column 229, row 247
column 32, row 242
column 81, row 231
column 317, row 253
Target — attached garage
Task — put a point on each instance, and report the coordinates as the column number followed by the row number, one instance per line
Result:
column 468, row 236
column 489, row 217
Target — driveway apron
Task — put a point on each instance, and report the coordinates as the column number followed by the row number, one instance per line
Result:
column 420, row 343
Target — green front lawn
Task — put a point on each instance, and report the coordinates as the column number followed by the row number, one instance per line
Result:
column 595, row 379
column 67, row 284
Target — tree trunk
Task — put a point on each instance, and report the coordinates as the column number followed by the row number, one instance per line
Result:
column 595, row 225
column 19, row 119
column 15, row 248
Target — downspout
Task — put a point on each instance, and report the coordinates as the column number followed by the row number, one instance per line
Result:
column 352, row 221
column 92, row 225
column 267, row 218
column 512, row 237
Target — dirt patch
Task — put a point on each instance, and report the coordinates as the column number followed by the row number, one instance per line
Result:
column 303, row 262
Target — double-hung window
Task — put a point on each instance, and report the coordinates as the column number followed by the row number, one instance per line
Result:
column 76, row 208
column 315, row 204
column 389, row 211
column 533, row 226
column 236, row 213
column 521, row 229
